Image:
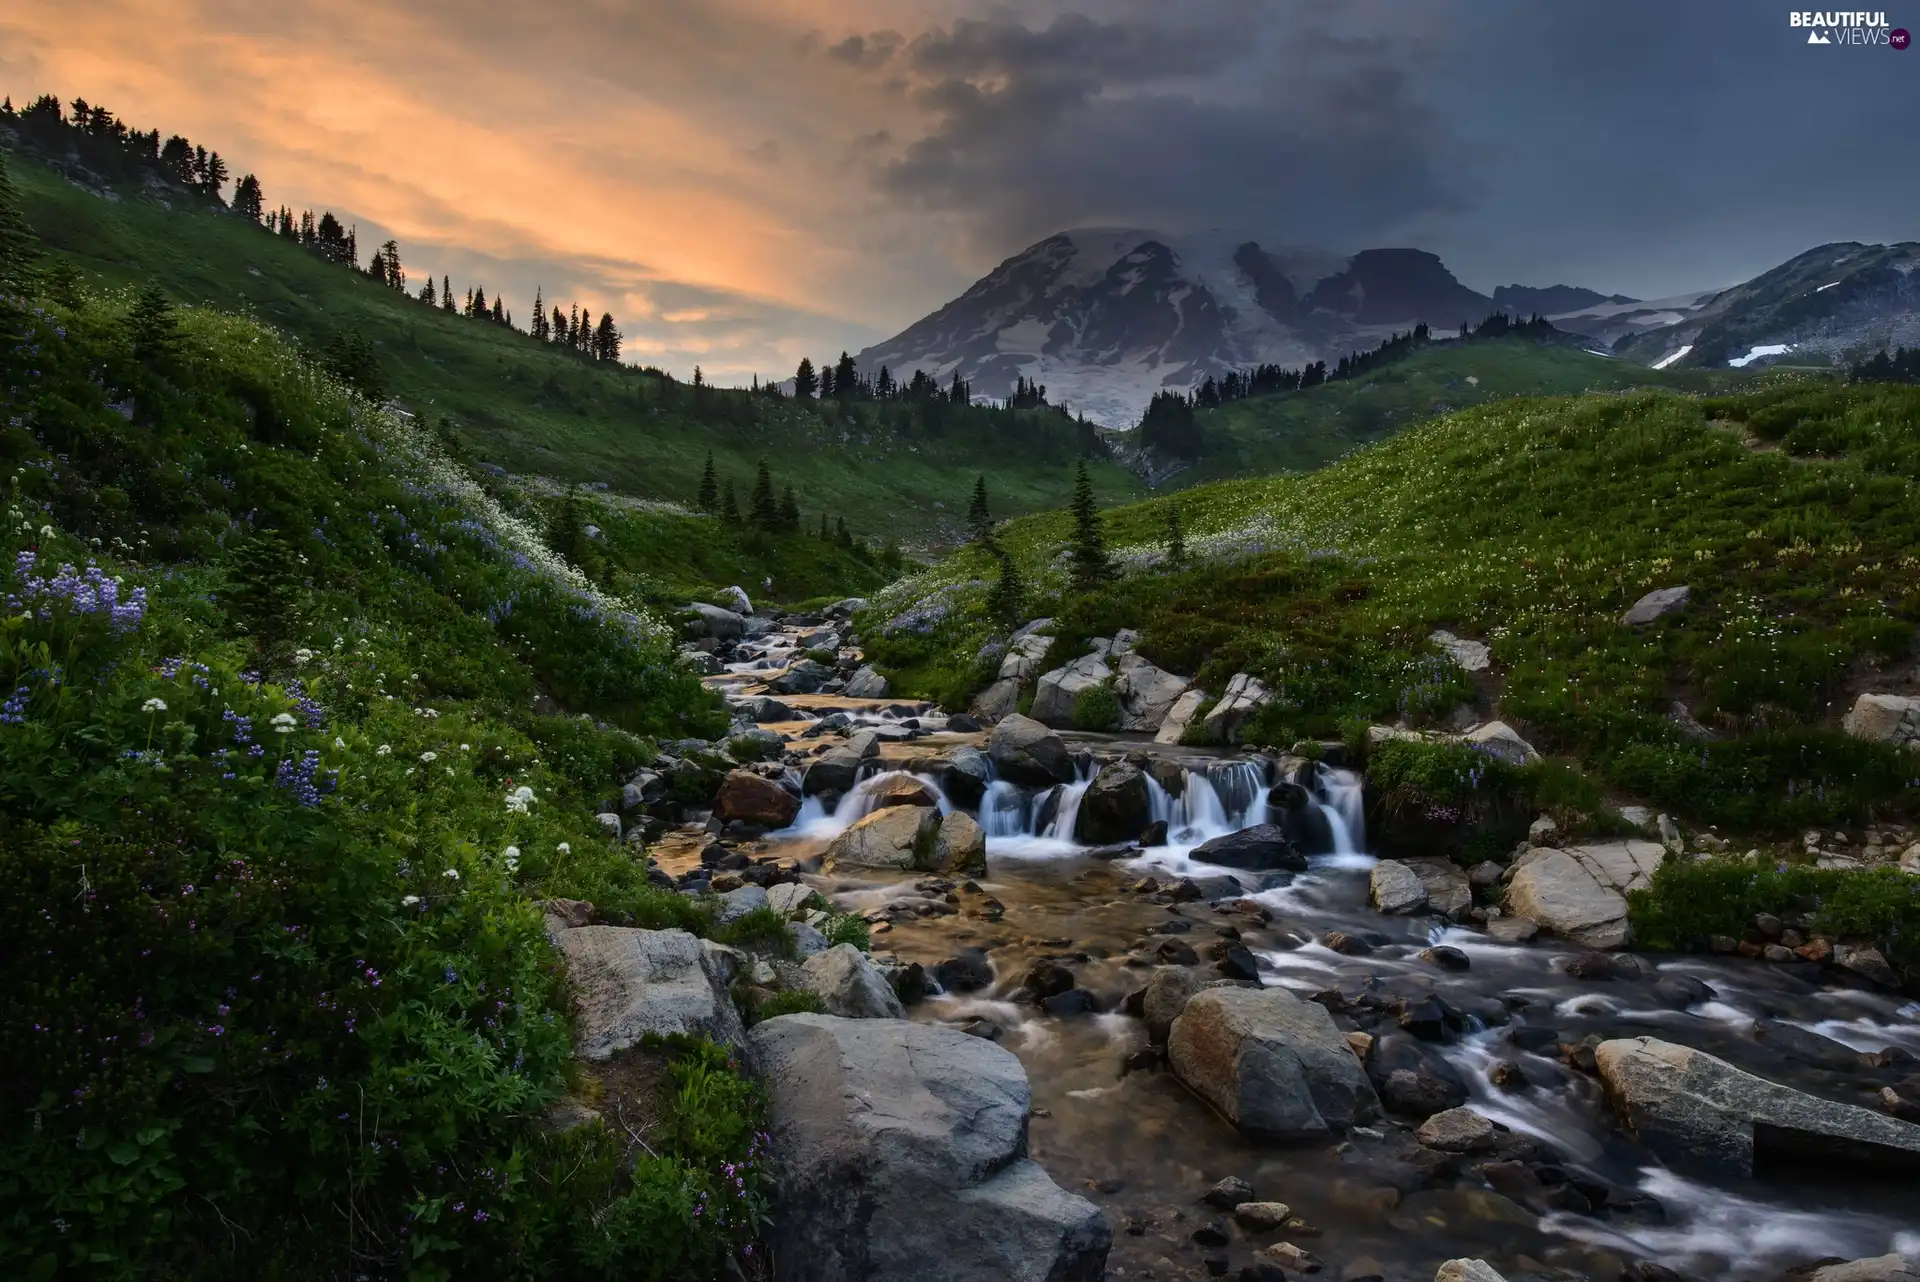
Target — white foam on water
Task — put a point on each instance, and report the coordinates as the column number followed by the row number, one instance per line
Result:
column 1863, row 1034
column 1561, row 1122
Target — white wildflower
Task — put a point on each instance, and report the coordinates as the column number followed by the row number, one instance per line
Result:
column 282, row 723
column 512, row 856
column 339, row 743
column 409, row 901
column 565, row 848
column 154, row 705
column 383, row 750
column 466, row 747
column 453, row 874
column 519, row 799
column 429, row 756
column 303, row 656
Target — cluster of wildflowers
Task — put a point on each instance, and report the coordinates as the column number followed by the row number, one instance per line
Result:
column 13, row 711
column 929, row 612
column 304, row 777
column 88, row 591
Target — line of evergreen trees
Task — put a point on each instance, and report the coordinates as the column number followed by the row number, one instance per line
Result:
column 107, row 144
column 764, row 511
column 842, row 381
column 1901, row 366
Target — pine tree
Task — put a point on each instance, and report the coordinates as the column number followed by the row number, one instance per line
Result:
column 569, row 527
column 1089, row 546
column 499, row 312
column 152, row 325
column 426, row 294
column 789, row 509
column 213, row 174
column 539, row 330
column 62, row 283
column 16, row 237
column 446, row 293
column 979, row 521
column 557, row 327
column 825, row 532
column 1008, row 596
column 606, row 338
column 841, row 533
column 247, row 201
column 766, row 509
column 805, row 381
column 846, row 378
column 709, row 497
column 827, row 388
column 479, row 308
column 1176, row 539
column 729, row 505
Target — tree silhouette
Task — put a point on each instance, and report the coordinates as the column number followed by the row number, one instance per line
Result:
column 805, row 381
column 979, row 521
column 766, row 509
column 709, row 497
column 247, row 199
column 152, row 324
column 729, row 505
column 1089, row 546
column 1176, row 539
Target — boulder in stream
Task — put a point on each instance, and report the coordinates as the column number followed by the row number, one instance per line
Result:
column 1395, row 888
column 1165, row 997
column 1180, row 716
column 1701, row 1113
column 997, row 700
column 1884, row 1268
column 1027, row 752
column 1146, row 693
column 1579, row 893
column 751, row 799
column 898, row 837
column 900, row 1155
column 849, row 986
column 804, row 677
column 960, row 846
column 866, row 684
column 901, row 790
column 1115, row 806
column 1270, row 1063
column 1261, row 848
column 1056, row 692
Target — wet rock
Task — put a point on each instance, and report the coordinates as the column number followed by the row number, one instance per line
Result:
column 900, row 790
column 849, row 986
column 960, row 846
column 1467, row 1271
column 1346, row 945
column 967, row 774
column 1261, row 1217
column 1048, row 979
column 1431, row 1019
column 628, row 983
column 750, row 799
column 1512, row 930
column 1056, row 692
column 716, row 622
column 1884, row 718
column 1272, row 1064
column 1243, row 697
column 1146, row 694
column 866, row 684
column 1115, row 806
column 1261, row 848
column 1580, row 893
column 961, row 723
column 1289, row 1256
column 1867, row 962
column 981, row 1028
column 1799, row 1044
column 1589, row 966
column 899, row 837
column 1657, row 604
column 1448, row 892
column 1695, row 1111
column 1165, row 996
column 1027, row 752
column 931, row 1125
column 1075, row 1001
column 1238, row 963
column 1228, row 1193
column 1885, row 1268
column 1176, row 952
column 836, row 771
column 1446, row 957
column 804, row 677
column 1394, row 888
column 1508, row 1076
column 1154, row 834
column 1457, row 1130
column 1418, row 1091
column 965, row 973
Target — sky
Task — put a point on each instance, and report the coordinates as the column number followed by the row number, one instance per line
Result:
column 744, row 182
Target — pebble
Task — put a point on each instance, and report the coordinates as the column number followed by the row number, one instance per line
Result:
column 1346, row 945
column 1262, row 1217
column 1228, row 1193
column 1446, row 957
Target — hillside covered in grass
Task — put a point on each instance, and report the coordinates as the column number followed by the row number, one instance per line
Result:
column 297, row 725
column 1308, row 428
column 1791, row 514
column 894, row 468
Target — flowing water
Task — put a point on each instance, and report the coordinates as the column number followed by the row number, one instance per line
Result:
column 1143, row 1148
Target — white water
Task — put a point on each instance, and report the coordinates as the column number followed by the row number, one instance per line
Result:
column 815, row 822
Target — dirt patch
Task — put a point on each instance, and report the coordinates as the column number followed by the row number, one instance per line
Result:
column 625, row 1091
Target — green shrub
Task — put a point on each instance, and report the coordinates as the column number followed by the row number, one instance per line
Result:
column 1779, row 780
column 1097, row 708
column 762, row 930
column 848, row 928
column 1448, row 781
column 1690, row 900
column 791, row 1002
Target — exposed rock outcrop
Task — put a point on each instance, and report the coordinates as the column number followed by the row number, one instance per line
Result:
column 1027, row 752
column 1579, row 893
column 1270, row 1063
column 628, row 983
column 1244, row 696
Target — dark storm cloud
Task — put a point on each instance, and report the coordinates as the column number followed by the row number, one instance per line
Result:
column 1201, row 117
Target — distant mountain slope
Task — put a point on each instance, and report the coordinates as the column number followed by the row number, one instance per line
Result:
column 1104, row 317
column 1824, row 307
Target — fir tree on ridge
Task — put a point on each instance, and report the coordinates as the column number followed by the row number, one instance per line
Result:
column 765, row 508
column 979, row 520
column 708, row 499
column 1176, row 539
column 1088, row 546
column 1004, row 602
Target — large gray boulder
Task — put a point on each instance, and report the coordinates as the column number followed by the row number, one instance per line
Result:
column 960, row 846
column 1165, row 997
column 1395, row 888
column 1261, row 848
column 849, row 986
column 896, row 838
column 835, row 771
column 1023, row 656
column 713, row 621
column 804, row 677
column 996, row 701
column 1883, row 1268
column 1054, row 695
column 1472, row 656
column 1657, row 604
column 1698, row 1112
column 1146, row 693
column 1449, row 893
column 1244, row 696
column 1884, row 718
column 1270, row 1063
column 900, row 1155
column 1501, row 741
column 628, row 983
column 1115, row 807
column 1027, row 752
column 866, row 684
column 1579, row 893
column 1180, row 716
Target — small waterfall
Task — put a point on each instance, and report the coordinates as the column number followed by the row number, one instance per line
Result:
column 1220, row 799
column 816, row 822
column 1340, row 796
column 1005, row 811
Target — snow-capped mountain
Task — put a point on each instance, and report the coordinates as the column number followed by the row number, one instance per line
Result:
column 1828, row 306
column 1105, row 317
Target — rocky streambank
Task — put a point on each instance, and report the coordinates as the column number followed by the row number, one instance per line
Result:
column 1134, row 1009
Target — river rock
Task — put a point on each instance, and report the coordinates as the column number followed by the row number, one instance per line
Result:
column 835, row 771
column 1867, row 962
column 967, row 774
column 965, row 972
column 1657, row 604
column 1449, row 891
column 1261, row 848
column 1262, row 1217
column 1471, row 656
column 715, row 621
column 1695, row 1111
column 1458, row 1130
column 900, row 790
column 1054, row 695
column 1884, row 718
column 789, row 897
column 929, row 1126
column 1146, row 693
column 898, row 837
column 1884, row 1268
column 960, row 846
column 1580, row 893
column 1180, row 716
column 804, row 677
column 1166, row 995
column 747, row 797
column 1027, row 752
column 1394, row 888
column 846, row 609
column 1270, row 1063
column 1244, row 696
column 737, row 600
column 866, row 684
column 849, row 986
column 737, row 903
column 996, row 701
column 1115, row 806
column 628, row 983
column 1468, row 1271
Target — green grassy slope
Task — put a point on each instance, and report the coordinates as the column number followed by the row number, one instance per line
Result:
column 1791, row 513
column 537, row 410
column 1299, row 431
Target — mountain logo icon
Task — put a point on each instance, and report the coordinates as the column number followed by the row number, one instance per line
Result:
column 1815, row 38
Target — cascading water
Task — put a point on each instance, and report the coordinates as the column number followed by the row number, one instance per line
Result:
column 1340, row 797
column 815, row 821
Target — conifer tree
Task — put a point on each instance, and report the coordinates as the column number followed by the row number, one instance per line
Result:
column 789, row 509
column 152, row 325
column 979, row 521
column 479, row 309
column 569, row 527
column 1008, row 595
column 805, row 381
column 16, row 237
column 827, row 389
column 846, row 378
column 841, row 533
column 446, row 293
column 606, row 339
column 427, row 295
column 1089, row 546
column 766, row 509
column 499, row 311
column 557, row 327
column 1176, row 539
column 62, row 283
column 247, row 200
column 729, row 505
column 539, row 330
column 709, row 497
column 825, row 532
